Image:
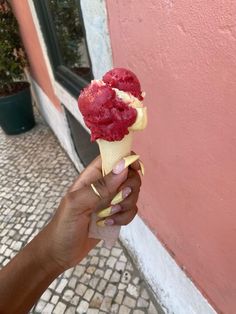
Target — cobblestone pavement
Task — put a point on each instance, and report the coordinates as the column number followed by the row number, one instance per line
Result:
column 35, row 172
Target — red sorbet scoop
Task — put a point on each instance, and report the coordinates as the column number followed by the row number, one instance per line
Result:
column 124, row 80
column 106, row 115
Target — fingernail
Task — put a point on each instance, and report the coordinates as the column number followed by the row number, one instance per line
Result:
column 142, row 167
column 121, row 195
column 105, row 222
column 126, row 192
column 117, row 199
column 124, row 163
column 109, row 222
column 130, row 159
column 100, row 223
column 109, row 211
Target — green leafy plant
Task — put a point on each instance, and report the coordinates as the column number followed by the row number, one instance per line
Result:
column 12, row 56
column 69, row 31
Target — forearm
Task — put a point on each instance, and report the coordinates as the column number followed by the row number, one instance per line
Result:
column 26, row 277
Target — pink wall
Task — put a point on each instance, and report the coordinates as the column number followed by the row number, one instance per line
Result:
column 37, row 65
column 184, row 52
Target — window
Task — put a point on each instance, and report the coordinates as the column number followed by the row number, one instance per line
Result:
column 62, row 26
column 64, row 34
column 86, row 150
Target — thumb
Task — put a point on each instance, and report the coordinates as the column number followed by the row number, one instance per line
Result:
column 107, row 187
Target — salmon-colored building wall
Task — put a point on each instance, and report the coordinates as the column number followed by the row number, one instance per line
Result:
column 34, row 51
column 184, row 52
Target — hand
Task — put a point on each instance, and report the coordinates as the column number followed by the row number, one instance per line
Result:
column 64, row 241
column 65, row 238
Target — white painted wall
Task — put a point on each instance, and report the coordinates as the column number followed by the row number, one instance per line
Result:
column 97, row 34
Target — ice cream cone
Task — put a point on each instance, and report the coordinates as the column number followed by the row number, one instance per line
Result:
column 112, row 107
column 112, row 152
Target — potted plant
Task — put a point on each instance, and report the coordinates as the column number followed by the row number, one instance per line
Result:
column 16, row 111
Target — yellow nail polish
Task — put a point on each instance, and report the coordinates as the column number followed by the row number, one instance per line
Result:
column 104, row 213
column 142, row 167
column 117, row 199
column 130, row 159
column 101, row 223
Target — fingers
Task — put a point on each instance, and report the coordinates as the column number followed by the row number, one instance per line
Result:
column 133, row 180
column 94, row 171
column 138, row 165
column 131, row 161
column 135, row 165
column 124, row 217
column 125, row 163
column 128, row 208
column 107, row 186
column 86, row 198
column 115, row 195
column 122, row 212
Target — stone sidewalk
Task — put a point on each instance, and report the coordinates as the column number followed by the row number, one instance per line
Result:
column 35, row 172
